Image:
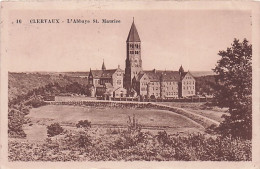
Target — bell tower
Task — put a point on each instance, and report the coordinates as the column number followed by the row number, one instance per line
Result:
column 133, row 57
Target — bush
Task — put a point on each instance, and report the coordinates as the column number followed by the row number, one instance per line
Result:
column 84, row 141
column 164, row 138
column 35, row 103
column 54, row 129
column 84, row 124
column 15, row 123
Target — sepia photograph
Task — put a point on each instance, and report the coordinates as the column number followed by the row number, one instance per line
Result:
column 149, row 83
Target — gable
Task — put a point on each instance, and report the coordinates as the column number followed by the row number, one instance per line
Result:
column 188, row 76
column 144, row 78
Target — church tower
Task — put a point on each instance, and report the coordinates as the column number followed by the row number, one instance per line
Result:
column 133, row 57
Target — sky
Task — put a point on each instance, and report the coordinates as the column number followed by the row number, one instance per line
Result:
column 170, row 38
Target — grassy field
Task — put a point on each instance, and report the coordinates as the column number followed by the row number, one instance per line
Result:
column 68, row 116
column 214, row 113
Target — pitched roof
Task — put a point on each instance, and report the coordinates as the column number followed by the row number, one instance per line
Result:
column 139, row 76
column 133, row 34
column 165, row 75
column 185, row 73
column 96, row 73
column 108, row 73
column 104, row 73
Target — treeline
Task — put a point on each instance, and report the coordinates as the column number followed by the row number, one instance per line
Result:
column 205, row 85
column 22, row 83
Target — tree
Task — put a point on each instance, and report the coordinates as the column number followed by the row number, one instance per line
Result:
column 234, row 89
column 54, row 129
column 84, row 124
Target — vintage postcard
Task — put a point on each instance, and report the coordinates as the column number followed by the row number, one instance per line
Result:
column 149, row 84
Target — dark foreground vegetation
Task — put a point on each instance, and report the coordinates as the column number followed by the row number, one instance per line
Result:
column 130, row 144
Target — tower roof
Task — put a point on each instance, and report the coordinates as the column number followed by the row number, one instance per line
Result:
column 103, row 65
column 133, row 34
column 181, row 69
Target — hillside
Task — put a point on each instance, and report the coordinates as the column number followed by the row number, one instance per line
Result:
column 22, row 83
column 202, row 73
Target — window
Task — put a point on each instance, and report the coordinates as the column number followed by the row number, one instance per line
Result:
column 118, row 82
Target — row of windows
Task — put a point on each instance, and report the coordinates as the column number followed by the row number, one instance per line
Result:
column 188, row 77
column 188, row 87
column 136, row 65
column 134, row 52
column 190, row 92
column 135, row 45
column 188, row 82
column 155, row 88
column 167, row 83
column 96, row 81
column 145, row 83
column 154, row 83
column 171, row 83
column 104, row 81
column 135, row 73
column 167, row 88
column 171, row 93
column 155, row 94
column 118, row 82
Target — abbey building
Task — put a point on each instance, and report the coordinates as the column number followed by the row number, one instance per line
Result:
column 134, row 81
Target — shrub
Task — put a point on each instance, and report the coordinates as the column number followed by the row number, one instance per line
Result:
column 54, row 129
column 84, row 124
column 15, row 123
column 84, row 141
column 35, row 103
column 163, row 138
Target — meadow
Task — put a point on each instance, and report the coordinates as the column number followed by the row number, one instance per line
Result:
column 68, row 116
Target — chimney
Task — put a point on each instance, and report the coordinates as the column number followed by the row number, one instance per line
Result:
column 154, row 71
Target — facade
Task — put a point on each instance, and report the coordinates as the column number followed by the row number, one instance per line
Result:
column 159, row 84
column 106, row 82
column 136, row 81
column 187, row 84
